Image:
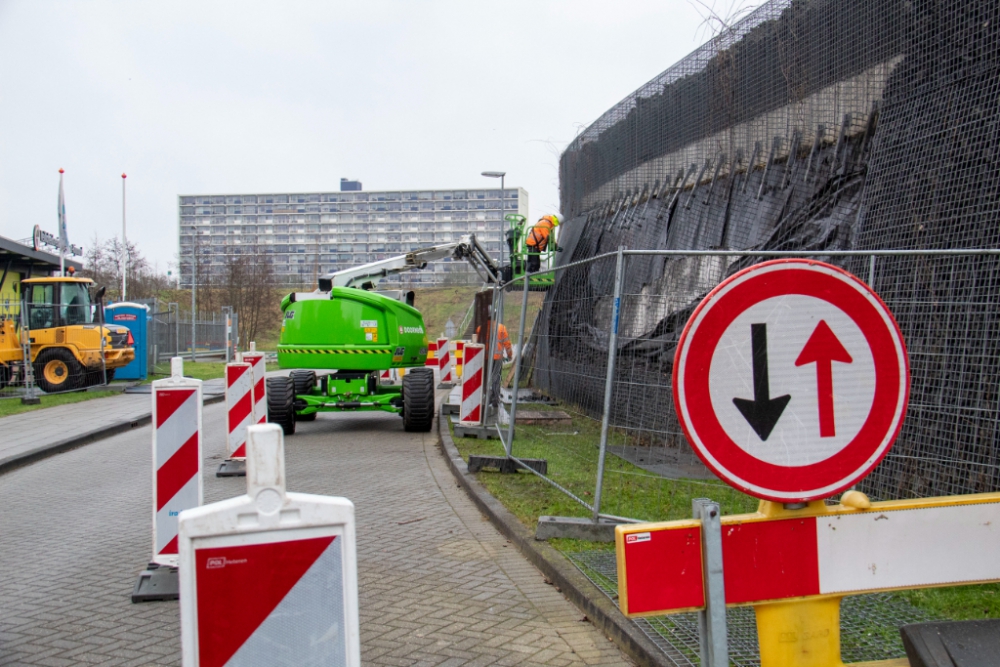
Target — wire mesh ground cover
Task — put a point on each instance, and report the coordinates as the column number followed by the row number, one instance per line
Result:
column 869, row 623
column 815, row 124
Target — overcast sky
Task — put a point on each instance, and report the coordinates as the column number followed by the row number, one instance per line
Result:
column 248, row 97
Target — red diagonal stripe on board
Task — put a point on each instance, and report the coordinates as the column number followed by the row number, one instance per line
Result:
column 241, row 452
column 239, row 587
column 233, row 372
column 258, row 391
column 471, row 384
column 474, row 415
column 240, row 411
column 170, row 548
column 176, row 472
column 167, row 402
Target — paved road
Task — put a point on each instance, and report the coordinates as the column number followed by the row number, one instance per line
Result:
column 439, row 585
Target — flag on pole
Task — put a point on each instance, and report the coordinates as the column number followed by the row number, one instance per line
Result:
column 63, row 237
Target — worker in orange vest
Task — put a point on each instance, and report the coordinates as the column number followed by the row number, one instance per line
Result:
column 538, row 240
column 504, row 350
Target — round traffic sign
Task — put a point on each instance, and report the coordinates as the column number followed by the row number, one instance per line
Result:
column 791, row 380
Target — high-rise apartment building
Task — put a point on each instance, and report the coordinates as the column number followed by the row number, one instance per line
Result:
column 309, row 234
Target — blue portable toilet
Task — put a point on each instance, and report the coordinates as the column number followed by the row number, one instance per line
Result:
column 135, row 316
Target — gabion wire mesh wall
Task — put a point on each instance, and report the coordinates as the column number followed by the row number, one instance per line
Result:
column 811, row 125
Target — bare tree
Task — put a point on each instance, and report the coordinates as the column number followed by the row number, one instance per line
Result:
column 248, row 286
column 102, row 263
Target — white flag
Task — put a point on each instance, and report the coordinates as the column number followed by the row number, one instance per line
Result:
column 63, row 237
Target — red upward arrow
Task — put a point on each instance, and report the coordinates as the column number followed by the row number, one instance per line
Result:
column 822, row 349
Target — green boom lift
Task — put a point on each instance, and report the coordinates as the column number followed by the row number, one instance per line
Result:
column 354, row 330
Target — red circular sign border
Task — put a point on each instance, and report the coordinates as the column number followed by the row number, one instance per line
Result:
column 823, row 483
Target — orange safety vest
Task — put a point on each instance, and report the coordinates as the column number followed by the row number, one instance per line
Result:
column 503, row 342
column 538, row 237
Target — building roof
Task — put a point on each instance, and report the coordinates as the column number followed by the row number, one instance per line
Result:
column 22, row 254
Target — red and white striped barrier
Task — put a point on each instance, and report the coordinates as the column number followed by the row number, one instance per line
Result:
column 471, row 412
column 239, row 408
column 257, row 588
column 893, row 545
column 446, row 362
column 388, row 376
column 258, row 370
column 177, row 482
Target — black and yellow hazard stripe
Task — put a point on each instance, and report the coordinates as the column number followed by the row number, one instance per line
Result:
column 299, row 350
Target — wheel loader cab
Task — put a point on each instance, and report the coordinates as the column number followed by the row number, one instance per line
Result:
column 67, row 351
column 58, row 304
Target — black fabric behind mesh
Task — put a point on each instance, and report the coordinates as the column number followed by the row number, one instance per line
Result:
column 915, row 167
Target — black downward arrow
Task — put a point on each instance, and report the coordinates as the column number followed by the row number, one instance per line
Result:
column 763, row 412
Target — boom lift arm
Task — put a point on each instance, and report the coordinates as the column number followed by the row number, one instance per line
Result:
column 367, row 276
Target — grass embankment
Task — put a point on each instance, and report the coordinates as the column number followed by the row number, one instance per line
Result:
column 13, row 406
column 630, row 491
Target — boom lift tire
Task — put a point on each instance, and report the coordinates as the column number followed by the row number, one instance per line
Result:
column 418, row 400
column 56, row 369
column 281, row 403
column 304, row 382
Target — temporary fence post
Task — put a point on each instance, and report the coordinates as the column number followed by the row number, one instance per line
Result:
column 491, row 346
column 609, row 378
column 871, row 271
column 509, row 445
column 712, row 619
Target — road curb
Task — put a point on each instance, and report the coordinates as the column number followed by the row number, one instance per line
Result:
column 601, row 611
column 44, row 451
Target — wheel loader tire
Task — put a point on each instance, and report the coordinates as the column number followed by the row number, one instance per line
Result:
column 95, row 378
column 56, row 369
column 304, row 381
column 418, row 400
column 281, row 403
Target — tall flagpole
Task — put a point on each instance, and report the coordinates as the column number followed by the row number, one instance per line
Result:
column 63, row 240
column 124, row 241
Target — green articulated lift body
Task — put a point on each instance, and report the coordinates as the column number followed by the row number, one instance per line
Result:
column 349, row 332
column 352, row 329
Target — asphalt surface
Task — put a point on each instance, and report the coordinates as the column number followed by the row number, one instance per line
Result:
column 438, row 584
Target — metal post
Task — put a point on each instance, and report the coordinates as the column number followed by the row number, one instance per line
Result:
column 871, row 271
column 609, row 379
column 177, row 326
column 517, row 367
column 502, row 221
column 491, row 342
column 194, row 287
column 124, row 242
column 712, row 620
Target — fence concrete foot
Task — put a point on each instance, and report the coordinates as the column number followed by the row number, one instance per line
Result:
column 576, row 528
column 157, row 582
column 231, row 468
column 482, row 432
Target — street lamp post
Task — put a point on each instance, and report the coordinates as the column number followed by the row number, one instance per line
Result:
column 194, row 288
column 124, row 241
column 500, row 175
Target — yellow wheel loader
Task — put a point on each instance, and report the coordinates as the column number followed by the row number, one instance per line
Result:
column 63, row 331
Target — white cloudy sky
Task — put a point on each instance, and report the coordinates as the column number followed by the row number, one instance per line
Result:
column 220, row 97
